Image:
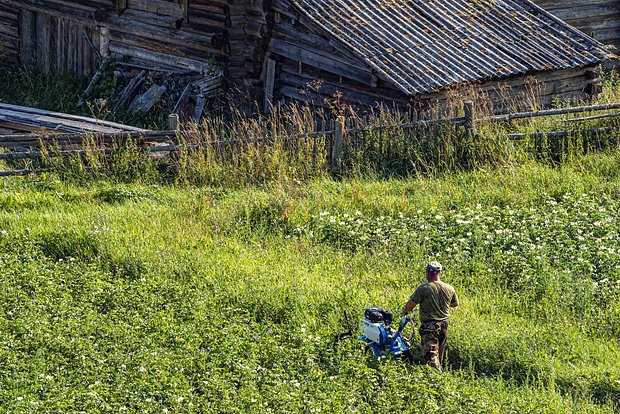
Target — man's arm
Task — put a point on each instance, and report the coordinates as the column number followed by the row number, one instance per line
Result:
column 455, row 301
column 408, row 307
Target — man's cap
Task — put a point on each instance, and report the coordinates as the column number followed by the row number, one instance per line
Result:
column 434, row 267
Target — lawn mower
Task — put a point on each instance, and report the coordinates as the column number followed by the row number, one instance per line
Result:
column 378, row 337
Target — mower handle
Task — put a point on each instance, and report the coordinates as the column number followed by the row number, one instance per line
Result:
column 406, row 319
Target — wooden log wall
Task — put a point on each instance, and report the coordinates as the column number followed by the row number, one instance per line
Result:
column 599, row 19
column 58, row 35
column 248, row 35
column 180, row 34
column 525, row 92
column 9, row 32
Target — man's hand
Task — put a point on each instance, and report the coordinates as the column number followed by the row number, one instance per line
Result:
column 408, row 307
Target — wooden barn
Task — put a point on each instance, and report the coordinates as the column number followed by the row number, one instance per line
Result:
column 364, row 52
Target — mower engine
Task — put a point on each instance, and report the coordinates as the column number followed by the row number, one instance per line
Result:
column 377, row 335
column 380, row 337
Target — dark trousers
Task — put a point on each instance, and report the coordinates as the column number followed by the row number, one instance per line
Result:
column 433, row 338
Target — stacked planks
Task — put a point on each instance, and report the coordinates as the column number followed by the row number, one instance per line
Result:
column 41, row 121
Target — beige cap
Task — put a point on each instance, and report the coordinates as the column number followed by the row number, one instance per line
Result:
column 434, row 267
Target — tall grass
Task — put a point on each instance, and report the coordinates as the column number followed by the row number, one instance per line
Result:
column 238, row 150
column 29, row 87
column 247, row 150
column 379, row 143
column 121, row 162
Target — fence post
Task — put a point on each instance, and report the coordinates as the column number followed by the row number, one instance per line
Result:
column 469, row 119
column 338, row 140
column 173, row 122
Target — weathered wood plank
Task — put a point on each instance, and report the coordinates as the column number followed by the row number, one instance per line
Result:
column 166, row 8
column 270, row 74
column 160, row 58
column 146, row 101
column 27, row 34
column 14, row 173
column 33, row 112
column 208, row 42
column 549, row 112
column 323, row 60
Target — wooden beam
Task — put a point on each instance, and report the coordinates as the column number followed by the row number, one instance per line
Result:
column 270, row 74
column 160, row 58
column 104, row 41
column 27, row 36
column 38, row 116
column 209, row 42
column 185, row 5
column 165, row 8
column 43, row 39
column 321, row 60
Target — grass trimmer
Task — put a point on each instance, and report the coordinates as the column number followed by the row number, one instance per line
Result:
column 378, row 337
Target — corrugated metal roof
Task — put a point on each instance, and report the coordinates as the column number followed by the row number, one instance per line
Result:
column 421, row 46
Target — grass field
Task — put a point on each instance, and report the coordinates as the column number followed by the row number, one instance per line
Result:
column 157, row 298
column 218, row 287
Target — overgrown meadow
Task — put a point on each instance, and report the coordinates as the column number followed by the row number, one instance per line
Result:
column 215, row 283
column 159, row 298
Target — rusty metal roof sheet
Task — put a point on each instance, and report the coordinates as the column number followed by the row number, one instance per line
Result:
column 421, row 46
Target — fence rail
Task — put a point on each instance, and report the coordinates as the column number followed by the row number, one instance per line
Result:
column 339, row 131
column 548, row 112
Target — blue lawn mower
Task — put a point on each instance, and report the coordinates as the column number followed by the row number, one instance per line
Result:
column 378, row 337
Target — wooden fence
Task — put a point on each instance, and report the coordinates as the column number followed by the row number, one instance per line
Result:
column 337, row 133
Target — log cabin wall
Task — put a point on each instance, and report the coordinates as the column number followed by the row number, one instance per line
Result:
column 67, row 35
column 310, row 68
column 51, row 42
column 9, row 32
column 248, row 35
column 523, row 92
column 60, row 35
column 599, row 19
column 512, row 94
column 187, row 35
column 307, row 65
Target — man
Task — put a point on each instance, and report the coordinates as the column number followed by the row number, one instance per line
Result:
column 435, row 299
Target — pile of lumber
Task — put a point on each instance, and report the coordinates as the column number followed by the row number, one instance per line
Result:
column 21, row 118
column 138, row 86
